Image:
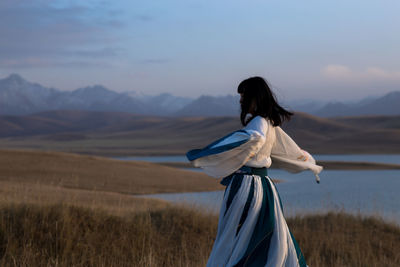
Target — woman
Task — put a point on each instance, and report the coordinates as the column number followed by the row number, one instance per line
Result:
column 252, row 230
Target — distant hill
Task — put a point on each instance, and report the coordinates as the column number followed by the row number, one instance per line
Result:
column 119, row 124
column 385, row 105
column 211, row 106
column 371, row 122
column 162, row 104
column 116, row 133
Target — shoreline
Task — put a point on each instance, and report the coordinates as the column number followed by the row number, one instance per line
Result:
column 357, row 165
column 328, row 165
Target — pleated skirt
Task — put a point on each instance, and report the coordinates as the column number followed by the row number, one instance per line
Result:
column 252, row 230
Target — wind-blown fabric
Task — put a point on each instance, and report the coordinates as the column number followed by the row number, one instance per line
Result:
column 287, row 155
column 252, row 230
column 227, row 154
column 259, row 144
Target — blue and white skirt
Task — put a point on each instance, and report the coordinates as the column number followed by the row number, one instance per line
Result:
column 251, row 229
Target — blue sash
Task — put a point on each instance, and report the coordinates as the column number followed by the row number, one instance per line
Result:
column 246, row 170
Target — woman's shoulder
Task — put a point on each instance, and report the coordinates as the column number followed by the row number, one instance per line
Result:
column 259, row 120
column 259, row 124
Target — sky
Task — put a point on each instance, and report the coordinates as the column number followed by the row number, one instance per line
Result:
column 323, row 50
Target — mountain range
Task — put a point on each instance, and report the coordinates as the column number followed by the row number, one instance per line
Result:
column 21, row 97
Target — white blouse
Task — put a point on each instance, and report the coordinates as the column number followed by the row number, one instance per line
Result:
column 258, row 144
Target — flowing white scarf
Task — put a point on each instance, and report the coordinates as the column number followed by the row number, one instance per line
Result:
column 231, row 152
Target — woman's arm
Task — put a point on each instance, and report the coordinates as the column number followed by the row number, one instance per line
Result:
column 228, row 154
column 286, row 154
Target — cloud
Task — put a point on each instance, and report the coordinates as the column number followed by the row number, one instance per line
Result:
column 336, row 71
column 36, row 62
column 38, row 32
column 343, row 72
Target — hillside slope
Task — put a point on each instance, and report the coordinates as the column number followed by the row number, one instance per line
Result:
column 115, row 133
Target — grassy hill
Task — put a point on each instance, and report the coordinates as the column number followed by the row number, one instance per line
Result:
column 378, row 121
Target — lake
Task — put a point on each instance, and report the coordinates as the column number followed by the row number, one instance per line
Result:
column 367, row 192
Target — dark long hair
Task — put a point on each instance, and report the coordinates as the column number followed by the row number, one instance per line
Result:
column 256, row 89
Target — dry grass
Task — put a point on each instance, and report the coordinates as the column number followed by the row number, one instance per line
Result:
column 59, row 209
column 99, row 174
column 53, row 226
column 61, row 235
column 339, row 239
column 45, row 195
column 69, row 236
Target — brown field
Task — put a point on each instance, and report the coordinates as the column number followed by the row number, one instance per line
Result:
column 44, row 195
column 123, row 134
column 82, row 172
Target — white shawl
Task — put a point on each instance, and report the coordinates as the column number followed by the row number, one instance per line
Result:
column 287, row 155
column 228, row 154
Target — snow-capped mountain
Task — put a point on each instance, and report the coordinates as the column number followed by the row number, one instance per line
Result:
column 20, row 97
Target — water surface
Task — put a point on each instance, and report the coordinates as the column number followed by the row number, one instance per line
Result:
column 381, row 158
column 356, row 191
column 365, row 192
